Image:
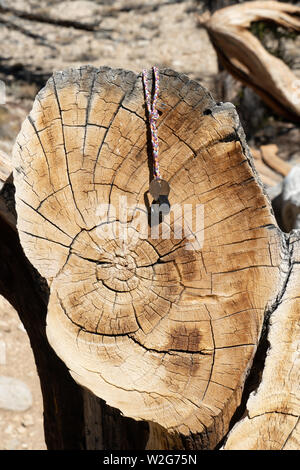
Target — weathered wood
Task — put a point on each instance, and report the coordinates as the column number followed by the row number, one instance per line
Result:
column 270, row 157
column 69, row 410
column 179, row 345
column 22, row 287
column 243, row 56
column 7, row 205
column 5, row 168
column 268, row 176
column 42, row 18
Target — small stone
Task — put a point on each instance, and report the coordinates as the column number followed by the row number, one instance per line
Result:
column 14, row 394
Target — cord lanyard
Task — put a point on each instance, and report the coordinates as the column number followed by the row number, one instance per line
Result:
column 158, row 186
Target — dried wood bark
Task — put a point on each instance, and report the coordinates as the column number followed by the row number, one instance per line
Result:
column 163, row 333
column 243, row 56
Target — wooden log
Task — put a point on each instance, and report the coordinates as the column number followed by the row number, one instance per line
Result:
column 244, row 57
column 267, row 175
column 273, row 411
column 270, row 167
column 73, row 417
column 5, row 168
column 163, row 329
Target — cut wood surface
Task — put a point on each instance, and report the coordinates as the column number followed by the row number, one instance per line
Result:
column 164, row 330
column 273, row 412
column 243, row 55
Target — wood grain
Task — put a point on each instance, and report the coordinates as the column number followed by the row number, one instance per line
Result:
column 163, row 333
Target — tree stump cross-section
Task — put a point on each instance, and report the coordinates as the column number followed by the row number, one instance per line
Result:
column 163, row 329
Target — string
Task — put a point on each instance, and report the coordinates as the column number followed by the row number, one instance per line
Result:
column 153, row 117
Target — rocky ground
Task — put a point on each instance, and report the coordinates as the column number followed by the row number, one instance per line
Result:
column 38, row 37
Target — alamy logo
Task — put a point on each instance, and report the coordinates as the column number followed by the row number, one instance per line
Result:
column 132, row 223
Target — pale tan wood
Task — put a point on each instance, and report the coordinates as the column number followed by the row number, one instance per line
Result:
column 256, row 154
column 7, row 211
column 270, row 167
column 273, row 411
column 162, row 333
column 245, row 57
column 5, row 168
column 270, row 157
column 267, row 175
